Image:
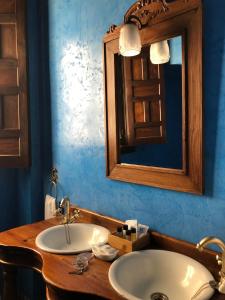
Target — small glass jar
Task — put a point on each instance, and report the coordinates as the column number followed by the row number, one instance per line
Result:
column 125, row 228
column 128, row 234
column 133, row 234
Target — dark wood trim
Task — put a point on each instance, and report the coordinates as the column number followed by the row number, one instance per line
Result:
column 151, row 168
column 23, row 83
column 154, row 13
column 129, row 114
column 10, row 133
column 8, row 63
column 187, row 22
column 8, row 19
column 57, row 294
column 20, row 257
column 145, row 82
column 9, row 283
column 9, row 90
column 105, row 109
column 184, row 103
column 147, row 124
column 1, row 113
column 147, row 98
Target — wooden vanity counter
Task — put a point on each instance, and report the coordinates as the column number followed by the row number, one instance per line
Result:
column 17, row 248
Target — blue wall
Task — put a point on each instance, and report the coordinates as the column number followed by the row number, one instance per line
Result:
column 76, row 68
column 8, row 198
column 22, row 190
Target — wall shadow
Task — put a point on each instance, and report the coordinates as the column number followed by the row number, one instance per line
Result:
column 213, row 53
column 31, row 181
column 46, row 126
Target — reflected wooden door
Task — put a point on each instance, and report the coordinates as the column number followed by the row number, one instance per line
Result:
column 144, row 100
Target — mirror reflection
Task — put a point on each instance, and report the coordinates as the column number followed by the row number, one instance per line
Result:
column 149, row 108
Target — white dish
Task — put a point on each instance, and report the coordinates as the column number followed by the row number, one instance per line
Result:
column 105, row 252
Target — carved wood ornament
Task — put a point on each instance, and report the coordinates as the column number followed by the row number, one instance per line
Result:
column 153, row 11
column 146, row 10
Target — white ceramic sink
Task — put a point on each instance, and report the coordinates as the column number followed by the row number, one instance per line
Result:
column 83, row 237
column 143, row 274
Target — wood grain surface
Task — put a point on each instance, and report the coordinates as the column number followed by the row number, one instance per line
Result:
column 17, row 248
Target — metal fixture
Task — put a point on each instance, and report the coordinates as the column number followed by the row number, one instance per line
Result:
column 65, row 209
column 159, row 296
column 54, row 183
column 69, row 217
column 65, row 205
column 220, row 258
column 54, row 176
column 213, row 284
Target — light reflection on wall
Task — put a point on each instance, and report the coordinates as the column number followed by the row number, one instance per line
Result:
column 80, row 96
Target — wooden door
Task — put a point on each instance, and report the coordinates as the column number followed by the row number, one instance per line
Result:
column 13, row 85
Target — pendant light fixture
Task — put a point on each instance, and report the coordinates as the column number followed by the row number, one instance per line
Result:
column 130, row 40
column 160, row 52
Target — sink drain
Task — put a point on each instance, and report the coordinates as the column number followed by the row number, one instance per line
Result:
column 159, row 296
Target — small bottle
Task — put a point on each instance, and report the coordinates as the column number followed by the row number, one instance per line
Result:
column 119, row 232
column 133, row 234
column 128, row 234
column 125, row 228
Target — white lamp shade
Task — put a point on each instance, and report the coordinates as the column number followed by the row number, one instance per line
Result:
column 130, row 41
column 160, row 52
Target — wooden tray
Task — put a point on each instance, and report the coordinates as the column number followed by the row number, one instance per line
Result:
column 126, row 245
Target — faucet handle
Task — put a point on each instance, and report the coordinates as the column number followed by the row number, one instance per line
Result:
column 58, row 212
column 74, row 215
column 220, row 258
column 64, row 201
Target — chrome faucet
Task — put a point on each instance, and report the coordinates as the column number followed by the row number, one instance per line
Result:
column 65, row 204
column 220, row 258
column 69, row 216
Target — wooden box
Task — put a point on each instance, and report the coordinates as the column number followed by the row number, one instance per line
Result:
column 126, row 245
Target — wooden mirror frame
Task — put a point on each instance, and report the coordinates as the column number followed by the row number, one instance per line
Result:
column 162, row 20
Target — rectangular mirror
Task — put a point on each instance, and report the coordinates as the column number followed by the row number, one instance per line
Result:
column 149, row 108
column 154, row 111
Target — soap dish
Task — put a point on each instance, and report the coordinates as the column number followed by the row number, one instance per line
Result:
column 105, row 252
